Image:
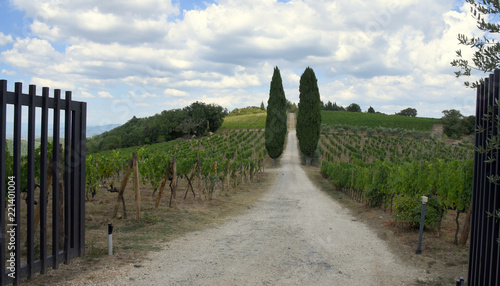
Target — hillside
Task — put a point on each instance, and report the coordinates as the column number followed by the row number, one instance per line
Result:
column 333, row 118
column 251, row 121
column 195, row 119
column 374, row 120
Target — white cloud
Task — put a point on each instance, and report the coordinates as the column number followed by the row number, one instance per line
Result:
column 175, row 92
column 133, row 94
column 8, row 72
column 105, row 94
column 83, row 94
column 52, row 84
column 5, row 39
column 386, row 53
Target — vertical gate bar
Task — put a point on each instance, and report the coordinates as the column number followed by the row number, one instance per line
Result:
column 17, row 178
column 3, row 122
column 484, row 185
column 475, row 198
column 75, row 182
column 31, row 180
column 473, row 249
column 55, row 179
column 481, row 188
column 490, row 188
column 489, row 221
column 486, row 189
column 495, row 263
column 67, row 176
column 43, row 180
column 82, row 158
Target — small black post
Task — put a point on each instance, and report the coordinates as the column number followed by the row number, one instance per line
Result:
column 422, row 222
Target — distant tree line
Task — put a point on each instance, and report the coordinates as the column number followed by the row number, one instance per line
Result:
column 455, row 124
column 353, row 107
column 194, row 120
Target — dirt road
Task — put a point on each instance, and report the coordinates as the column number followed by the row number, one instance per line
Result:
column 295, row 235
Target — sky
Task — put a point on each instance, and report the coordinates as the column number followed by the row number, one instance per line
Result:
column 139, row 57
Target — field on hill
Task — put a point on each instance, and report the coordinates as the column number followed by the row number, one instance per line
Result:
column 374, row 120
column 247, row 121
column 337, row 118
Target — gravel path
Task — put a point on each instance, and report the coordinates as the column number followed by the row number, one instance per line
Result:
column 294, row 235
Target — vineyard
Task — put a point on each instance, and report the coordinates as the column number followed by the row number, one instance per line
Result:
column 215, row 162
column 394, row 171
column 375, row 120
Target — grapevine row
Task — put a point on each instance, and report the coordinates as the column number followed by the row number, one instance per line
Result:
column 216, row 160
column 394, row 172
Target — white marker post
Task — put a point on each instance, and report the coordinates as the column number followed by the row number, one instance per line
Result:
column 422, row 222
column 110, row 238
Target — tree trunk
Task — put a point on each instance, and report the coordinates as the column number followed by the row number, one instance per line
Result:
column 122, row 190
column 458, row 227
column 440, row 221
column 173, row 185
column 465, row 232
column 136, row 187
column 162, row 186
column 308, row 161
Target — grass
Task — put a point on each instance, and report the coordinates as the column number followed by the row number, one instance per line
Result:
column 332, row 118
column 247, row 121
column 374, row 120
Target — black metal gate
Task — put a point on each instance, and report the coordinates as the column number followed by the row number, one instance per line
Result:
column 484, row 253
column 42, row 196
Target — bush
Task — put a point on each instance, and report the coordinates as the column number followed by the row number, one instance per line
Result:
column 375, row 197
column 408, row 209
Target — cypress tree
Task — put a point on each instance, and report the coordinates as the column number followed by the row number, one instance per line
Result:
column 309, row 114
column 276, row 117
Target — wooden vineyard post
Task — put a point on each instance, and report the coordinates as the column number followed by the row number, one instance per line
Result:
column 201, row 186
column 162, row 186
column 136, row 187
column 189, row 178
column 122, row 190
column 465, row 232
column 173, row 185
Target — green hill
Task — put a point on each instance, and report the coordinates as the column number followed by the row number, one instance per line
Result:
column 373, row 120
column 333, row 118
column 252, row 121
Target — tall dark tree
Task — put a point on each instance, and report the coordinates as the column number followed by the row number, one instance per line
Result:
column 371, row 109
column 276, row 117
column 309, row 114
